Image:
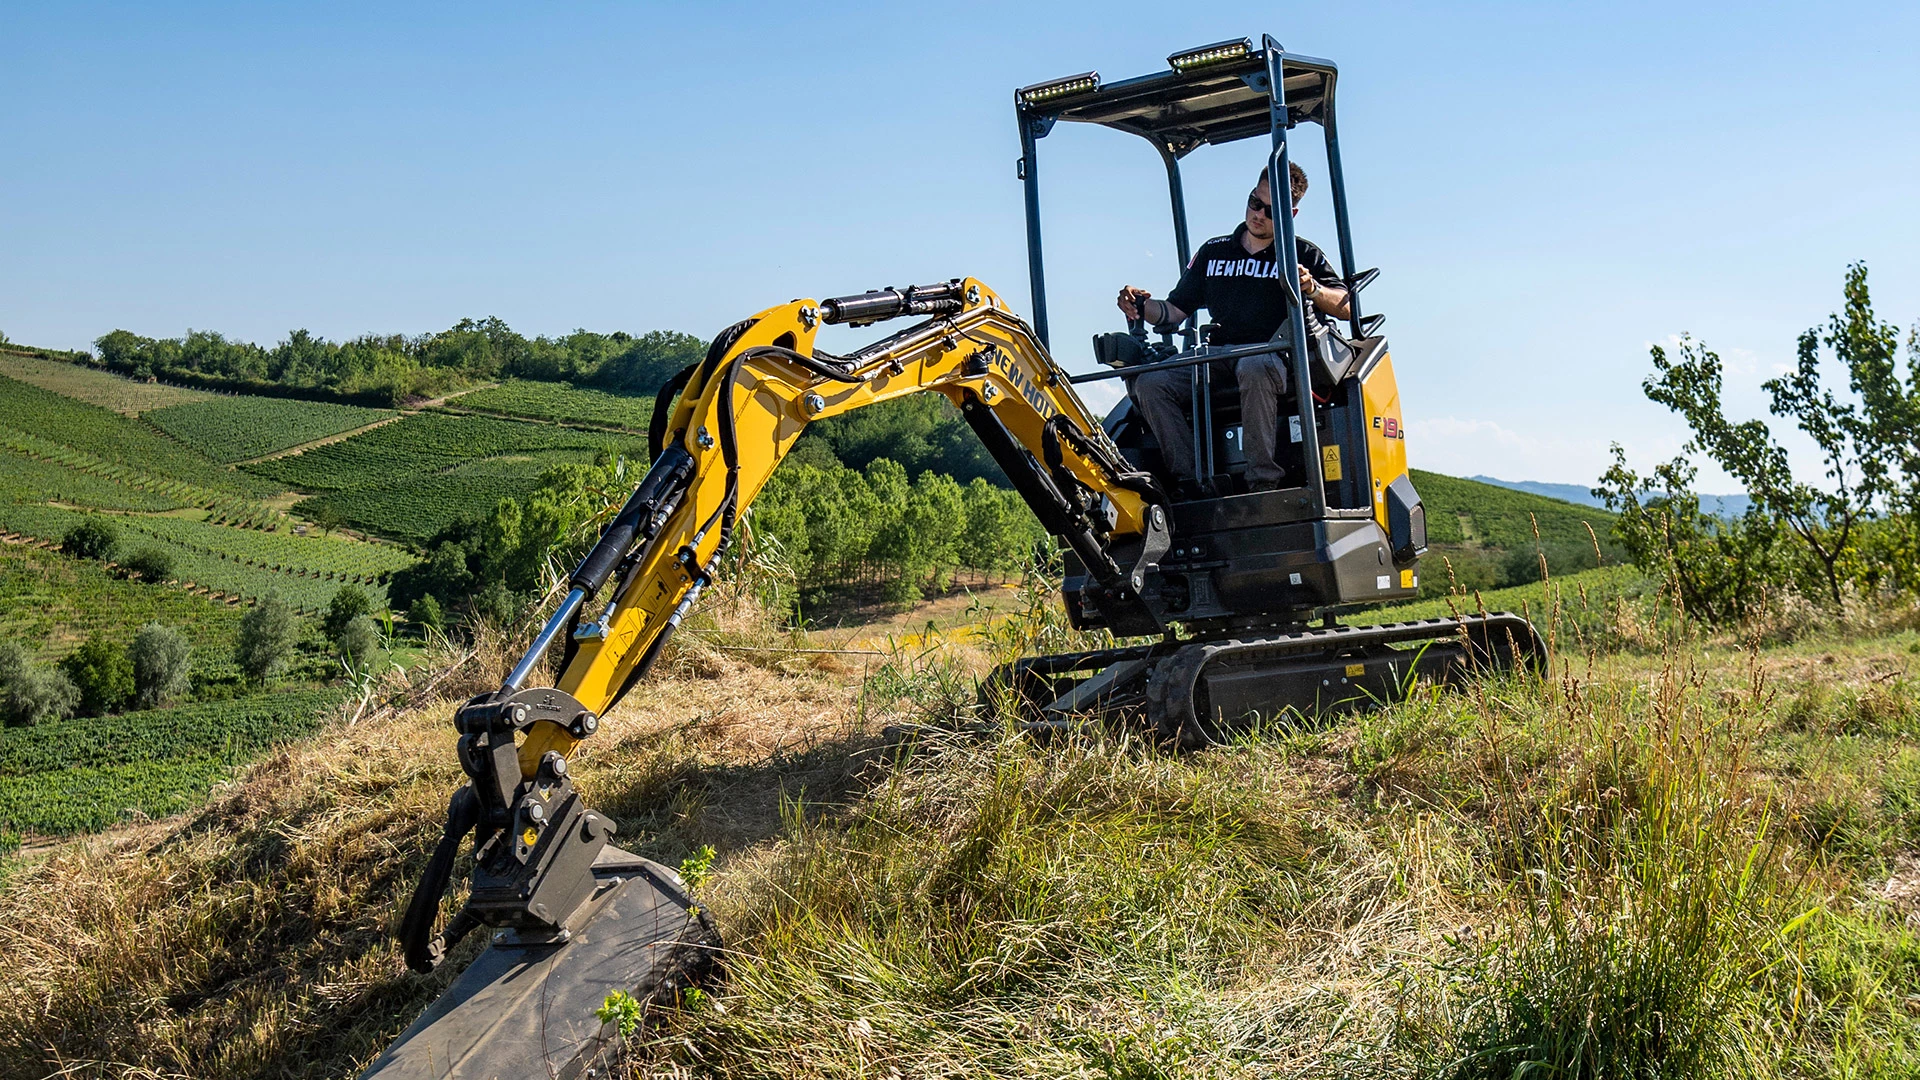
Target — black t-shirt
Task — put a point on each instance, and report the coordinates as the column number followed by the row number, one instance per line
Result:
column 1243, row 292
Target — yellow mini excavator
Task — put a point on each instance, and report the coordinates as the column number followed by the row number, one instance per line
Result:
column 1220, row 592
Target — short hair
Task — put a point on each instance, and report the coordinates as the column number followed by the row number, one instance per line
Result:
column 1295, row 174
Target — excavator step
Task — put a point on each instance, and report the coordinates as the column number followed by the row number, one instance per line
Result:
column 526, row 1007
column 1195, row 692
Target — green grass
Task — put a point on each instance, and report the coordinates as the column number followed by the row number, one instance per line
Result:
column 83, row 775
column 237, row 428
column 107, row 437
column 1500, row 517
column 560, row 402
column 50, row 603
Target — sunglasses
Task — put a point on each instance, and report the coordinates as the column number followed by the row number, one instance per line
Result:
column 1254, row 203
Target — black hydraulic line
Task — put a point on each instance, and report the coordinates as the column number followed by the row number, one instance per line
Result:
column 1048, row 503
column 663, row 403
column 423, row 948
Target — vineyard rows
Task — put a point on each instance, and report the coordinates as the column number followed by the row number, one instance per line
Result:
column 197, row 562
column 109, row 437
column 225, row 508
column 230, row 429
column 420, row 507
column 28, row 479
column 49, row 602
column 560, row 403
column 83, row 775
column 428, row 443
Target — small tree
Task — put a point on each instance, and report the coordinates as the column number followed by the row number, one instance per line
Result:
column 1868, row 442
column 94, row 538
column 38, row 695
column 160, row 657
column 425, row 613
column 266, row 637
column 150, row 564
column 361, row 646
column 1720, row 570
column 102, row 673
column 350, row 603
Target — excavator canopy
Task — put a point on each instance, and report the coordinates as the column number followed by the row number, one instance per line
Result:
column 1211, row 95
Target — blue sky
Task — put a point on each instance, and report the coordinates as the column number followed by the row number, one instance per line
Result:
column 1548, row 188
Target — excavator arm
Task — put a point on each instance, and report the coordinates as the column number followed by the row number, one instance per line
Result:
column 544, row 870
column 761, row 384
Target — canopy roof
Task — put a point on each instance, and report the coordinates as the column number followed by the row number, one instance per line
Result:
column 1217, row 102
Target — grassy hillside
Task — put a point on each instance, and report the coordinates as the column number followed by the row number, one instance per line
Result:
column 1688, row 864
column 129, row 397
column 1468, row 511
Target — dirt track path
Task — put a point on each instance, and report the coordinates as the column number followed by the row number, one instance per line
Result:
column 363, row 429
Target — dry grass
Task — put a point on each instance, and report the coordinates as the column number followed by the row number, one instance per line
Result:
column 1604, row 873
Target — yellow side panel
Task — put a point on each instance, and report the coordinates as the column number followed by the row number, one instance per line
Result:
column 1386, row 435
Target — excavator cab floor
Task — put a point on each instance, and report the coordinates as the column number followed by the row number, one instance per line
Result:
column 525, row 1007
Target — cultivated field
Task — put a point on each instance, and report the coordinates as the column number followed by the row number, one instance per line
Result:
column 236, row 428
column 561, row 403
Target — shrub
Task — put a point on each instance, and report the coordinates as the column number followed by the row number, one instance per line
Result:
column 94, row 538
column 266, row 637
column 360, row 643
column 102, row 673
column 160, row 657
column 426, row 614
column 350, row 603
column 38, row 695
column 150, row 564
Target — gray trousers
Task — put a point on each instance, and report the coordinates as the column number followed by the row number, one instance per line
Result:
column 1165, row 399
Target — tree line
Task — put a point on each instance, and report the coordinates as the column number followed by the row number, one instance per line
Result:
column 1853, row 532
column 396, row 368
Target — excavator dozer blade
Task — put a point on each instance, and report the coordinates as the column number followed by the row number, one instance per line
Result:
column 524, row 1009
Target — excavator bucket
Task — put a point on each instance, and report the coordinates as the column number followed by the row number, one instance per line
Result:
column 526, row 1007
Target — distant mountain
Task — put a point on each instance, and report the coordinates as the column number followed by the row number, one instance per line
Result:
column 1723, row 505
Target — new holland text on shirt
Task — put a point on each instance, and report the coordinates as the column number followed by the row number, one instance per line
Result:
column 1264, row 268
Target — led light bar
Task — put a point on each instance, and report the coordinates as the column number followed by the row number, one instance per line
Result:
column 1215, row 53
column 1059, row 88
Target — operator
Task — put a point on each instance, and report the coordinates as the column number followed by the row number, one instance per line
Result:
column 1234, row 277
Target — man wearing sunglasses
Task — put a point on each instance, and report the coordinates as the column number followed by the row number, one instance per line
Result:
column 1236, row 278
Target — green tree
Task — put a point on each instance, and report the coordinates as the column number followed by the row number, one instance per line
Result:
column 1721, row 570
column 361, row 645
column 102, row 673
column 426, row 613
column 1866, row 441
column 150, row 564
column 160, row 656
column 350, row 602
column 265, row 640
column 94, row 538
column 30, row 693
